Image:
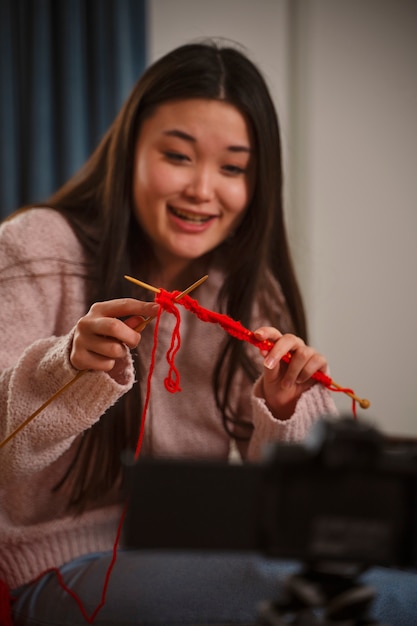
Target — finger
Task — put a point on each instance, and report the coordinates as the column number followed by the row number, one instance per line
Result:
column 299, row 366
column 303, row 364
column 92, row 361
column 91, row 330
column 124, row 307
column 285, row 344
column 108, row 348
column 97, row 350
column 135, row 321
column 267, row 333
column 317, row 363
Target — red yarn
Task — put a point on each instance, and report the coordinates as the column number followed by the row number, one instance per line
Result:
column 5, row 605
column 88, row 618
column 172, row 381
column 167, row 301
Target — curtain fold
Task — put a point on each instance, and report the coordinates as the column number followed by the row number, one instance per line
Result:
column 66, row 66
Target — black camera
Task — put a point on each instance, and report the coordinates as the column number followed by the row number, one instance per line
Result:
column 342, row 501
column 345, row 494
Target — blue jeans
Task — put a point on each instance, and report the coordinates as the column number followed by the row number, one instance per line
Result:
column 178, row 589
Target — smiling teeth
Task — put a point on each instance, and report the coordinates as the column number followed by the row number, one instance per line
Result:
column 190, row 217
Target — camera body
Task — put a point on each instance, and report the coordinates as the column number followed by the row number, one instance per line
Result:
column 347, row 494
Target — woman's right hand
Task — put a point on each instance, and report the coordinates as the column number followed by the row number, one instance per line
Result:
column 100, row 337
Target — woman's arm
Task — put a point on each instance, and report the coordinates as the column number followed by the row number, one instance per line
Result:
column 42, row 291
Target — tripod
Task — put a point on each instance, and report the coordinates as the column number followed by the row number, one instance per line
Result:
column 321, row 596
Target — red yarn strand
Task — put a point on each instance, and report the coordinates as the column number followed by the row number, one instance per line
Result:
column 5, row 605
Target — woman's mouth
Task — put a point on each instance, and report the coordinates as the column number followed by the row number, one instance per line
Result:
column 189, row 216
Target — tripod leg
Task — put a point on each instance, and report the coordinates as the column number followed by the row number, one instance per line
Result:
column 315, row 598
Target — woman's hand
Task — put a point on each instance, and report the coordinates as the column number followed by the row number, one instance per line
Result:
column 100, row 337
column 283, row 383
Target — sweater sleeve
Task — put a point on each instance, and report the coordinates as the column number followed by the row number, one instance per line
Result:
column 42, row 291
column 312, row 404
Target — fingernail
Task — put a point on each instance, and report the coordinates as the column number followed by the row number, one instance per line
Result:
column 270, row 362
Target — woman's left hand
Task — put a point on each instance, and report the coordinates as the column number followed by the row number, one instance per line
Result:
column 283, row 383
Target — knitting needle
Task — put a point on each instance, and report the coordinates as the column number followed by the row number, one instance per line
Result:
column 142, row 284
column 41, row 408
column 82, row 372
column 156, row 290
column 363, row 402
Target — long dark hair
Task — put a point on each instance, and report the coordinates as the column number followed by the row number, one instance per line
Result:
column 97, row 202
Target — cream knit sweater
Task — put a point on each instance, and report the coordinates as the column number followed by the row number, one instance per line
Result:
column 42, row 295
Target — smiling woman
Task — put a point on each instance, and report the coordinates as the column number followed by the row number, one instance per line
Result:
column 186, row 182
column 193, row 179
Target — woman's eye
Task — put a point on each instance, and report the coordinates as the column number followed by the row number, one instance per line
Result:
column 234, row 170
column 176, row 157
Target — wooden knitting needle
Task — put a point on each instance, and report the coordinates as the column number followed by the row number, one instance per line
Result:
column 156, row 290
column 41, row 408
column 78, row 375
column 363, row 402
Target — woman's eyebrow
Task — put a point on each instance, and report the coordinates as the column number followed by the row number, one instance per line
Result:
column 240, row 149
column 180, row 134
column 187, row 137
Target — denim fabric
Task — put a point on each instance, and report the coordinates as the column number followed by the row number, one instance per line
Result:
column 177, row 589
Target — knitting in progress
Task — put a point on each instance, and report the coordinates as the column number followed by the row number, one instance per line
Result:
column 168, row 302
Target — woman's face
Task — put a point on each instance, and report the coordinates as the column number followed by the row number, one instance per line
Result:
column 193, row 177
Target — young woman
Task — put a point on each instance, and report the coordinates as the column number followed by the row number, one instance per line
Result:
column 186, row 182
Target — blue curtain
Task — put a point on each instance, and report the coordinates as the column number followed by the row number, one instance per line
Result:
column 66, row 68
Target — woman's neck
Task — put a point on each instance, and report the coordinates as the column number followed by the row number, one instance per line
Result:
column 178, row 278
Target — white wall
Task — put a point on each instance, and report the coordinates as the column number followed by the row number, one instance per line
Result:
column 343, row 75
column 357, row 89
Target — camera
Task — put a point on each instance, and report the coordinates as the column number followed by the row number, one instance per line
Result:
column 347, row 494
column 341, row 501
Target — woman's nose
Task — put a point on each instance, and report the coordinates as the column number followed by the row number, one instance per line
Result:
column 200, row 186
